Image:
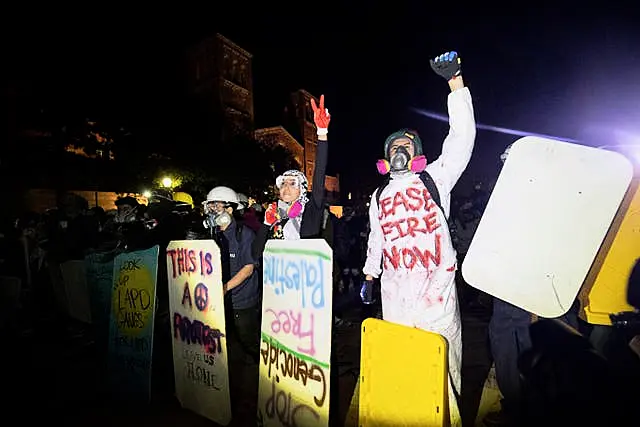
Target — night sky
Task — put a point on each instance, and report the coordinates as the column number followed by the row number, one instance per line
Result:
column 573, row 73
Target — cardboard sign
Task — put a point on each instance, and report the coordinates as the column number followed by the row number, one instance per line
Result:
column 545, row 221
column 133, row 301
column 297, row 319
column 198, row 328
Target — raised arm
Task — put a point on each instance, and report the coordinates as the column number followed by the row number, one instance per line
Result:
column 321, row 117
column 320, row 171
column 373, row 264
column 458, row 145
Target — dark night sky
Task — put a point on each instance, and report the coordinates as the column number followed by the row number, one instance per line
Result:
column 551, row 73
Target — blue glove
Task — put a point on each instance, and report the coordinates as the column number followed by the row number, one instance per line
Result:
column 446, row 65
column 366, row 292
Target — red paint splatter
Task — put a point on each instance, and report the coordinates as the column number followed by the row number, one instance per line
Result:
column 440, row 299
column 452, row 268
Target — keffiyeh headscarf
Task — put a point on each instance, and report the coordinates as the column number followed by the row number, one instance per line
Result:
column 291, row 213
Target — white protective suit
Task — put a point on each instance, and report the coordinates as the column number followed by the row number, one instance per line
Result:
column 410, row 238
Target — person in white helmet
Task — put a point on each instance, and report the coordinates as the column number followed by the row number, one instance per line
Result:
column 299, row 214
column 239, row 274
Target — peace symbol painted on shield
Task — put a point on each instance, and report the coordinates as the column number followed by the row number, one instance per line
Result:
column 201, row 296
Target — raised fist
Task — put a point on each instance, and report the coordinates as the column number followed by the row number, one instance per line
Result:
column 446, row 65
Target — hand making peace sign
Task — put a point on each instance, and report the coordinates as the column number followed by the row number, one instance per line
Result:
column 321, row 116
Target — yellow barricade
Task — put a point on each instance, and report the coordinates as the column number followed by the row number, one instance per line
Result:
column 605, row 290
column 403, row 376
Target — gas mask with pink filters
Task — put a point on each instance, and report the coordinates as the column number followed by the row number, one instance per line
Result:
column 401, row 160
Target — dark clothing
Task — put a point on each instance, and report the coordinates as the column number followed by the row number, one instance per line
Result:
column 356, row 226
column 328, row 232
column 313, row 215
column 480, row 198
column 235, row 254
column 246, row 322
column 235, row 249
column 341, row 240
column 133, row 235
column 510, row 338
column 633, row 290
column 76, row 236
column 251, row 220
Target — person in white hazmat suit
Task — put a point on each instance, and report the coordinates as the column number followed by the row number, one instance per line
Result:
column 409, row 244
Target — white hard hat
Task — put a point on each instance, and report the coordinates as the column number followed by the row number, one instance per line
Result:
column 242, row 198
column 222, row 194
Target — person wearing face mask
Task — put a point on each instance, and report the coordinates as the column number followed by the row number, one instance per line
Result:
column 127, row 210
column 239, row 274
column 299, row 214
column 409, row 244
column 127, row 228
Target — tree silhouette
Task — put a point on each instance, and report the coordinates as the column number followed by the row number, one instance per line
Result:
column 250, row 166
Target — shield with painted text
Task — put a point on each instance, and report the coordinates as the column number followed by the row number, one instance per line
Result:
column 198, row 330
column 295, row 348
column 131, row 323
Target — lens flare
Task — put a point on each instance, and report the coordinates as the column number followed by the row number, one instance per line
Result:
column 632, row 151
column 507, row 131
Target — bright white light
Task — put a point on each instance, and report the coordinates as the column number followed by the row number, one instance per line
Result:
column 167, row 182
column 627, row 139
column 146, row 193
column 632, row 151
column 266, row 192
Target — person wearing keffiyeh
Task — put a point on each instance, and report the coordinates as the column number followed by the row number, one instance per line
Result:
column 298, row 213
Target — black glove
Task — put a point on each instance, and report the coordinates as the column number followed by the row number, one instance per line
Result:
column 366, row 292
column 446, row 65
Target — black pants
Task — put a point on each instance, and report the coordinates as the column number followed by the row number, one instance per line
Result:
column 246, row 323
column 509, row 337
